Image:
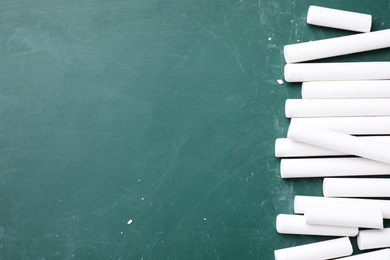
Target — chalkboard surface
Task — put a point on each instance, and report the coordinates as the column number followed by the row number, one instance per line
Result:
column 145, row 129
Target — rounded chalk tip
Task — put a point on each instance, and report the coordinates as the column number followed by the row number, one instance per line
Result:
column 286, row 54
column 276, row 255
column 324, row 187
column 288, row 76
column 309, row 18
column 360, row 243
column 278, row 227
column 296, row 205
column 369, row 25
column 287, row 108
column 277, row 152
column 282, row 169
column 304, row 90
column 350, row 248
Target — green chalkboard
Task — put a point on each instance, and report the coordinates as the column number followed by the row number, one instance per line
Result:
column 163, row 112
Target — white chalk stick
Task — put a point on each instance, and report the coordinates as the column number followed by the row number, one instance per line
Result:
column 337, row 46
column 383, row 254
column 331, row 167
column 296, row 224
column 350, row 125
column 339, row 19
column 301, row 203
column 285, row 147
column 337, row 71
column 373, row 238
column 340, row 142
column 344, row 217
column 321, row 250
column 357, row 187
column 346, row 89
column 337, row 107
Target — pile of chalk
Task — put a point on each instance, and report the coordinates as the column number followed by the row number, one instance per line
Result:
column 339, row 129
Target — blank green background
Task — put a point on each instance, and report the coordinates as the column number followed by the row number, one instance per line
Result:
column 164, row 112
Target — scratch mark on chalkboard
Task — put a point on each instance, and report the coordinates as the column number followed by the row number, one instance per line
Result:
column 279, row 130
column 33, row 42
column 243, row 34
column 234, row 52
column 261, row 14
column 212, row 245
column 263, row 202
column 223, row 225
column 184, row 58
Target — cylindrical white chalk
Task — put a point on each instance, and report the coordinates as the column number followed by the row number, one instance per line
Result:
column 346, row 89
column 379, row 125
column 356, row 187
column 373, row 238
column 343, row 217
column 383, row 254
column 336, row 46
column 331, row 167
column 301, row 203
column 337, row 107
column 340, row 142
column 339, row 19
column 296, row 224
column 321, row 250
column 337, row 71
column 285, row 147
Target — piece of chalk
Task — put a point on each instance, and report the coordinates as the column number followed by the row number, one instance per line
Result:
column 340, row 142
column 337, row 71
column 357, row 187
column 383, row 254
column 339, row 19
column 346, row 89
column 379, row 125
column 296, row 224
column 331, row 167
column 321, row 250
column 373, row 238
column 337, row 46
column 344, row 217
column 337, row 107
column 301, row 203
column 285, row 147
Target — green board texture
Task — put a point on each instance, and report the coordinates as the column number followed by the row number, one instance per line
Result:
column 163, row 112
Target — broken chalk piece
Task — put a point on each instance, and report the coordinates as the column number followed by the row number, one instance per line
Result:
column 301, row 203
column 296, row 224
column 337, row 71
column 339, row 142
column 337, row 46
column 337, row 107
column 328, row 249
column 339, row 217
column 383, row 254
column 363, row 125
column 373, row 238
column 129, row 222
column 339, row 19
column 331, row 167
column 346, row 89
column 357, row 187
column 285, row 147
